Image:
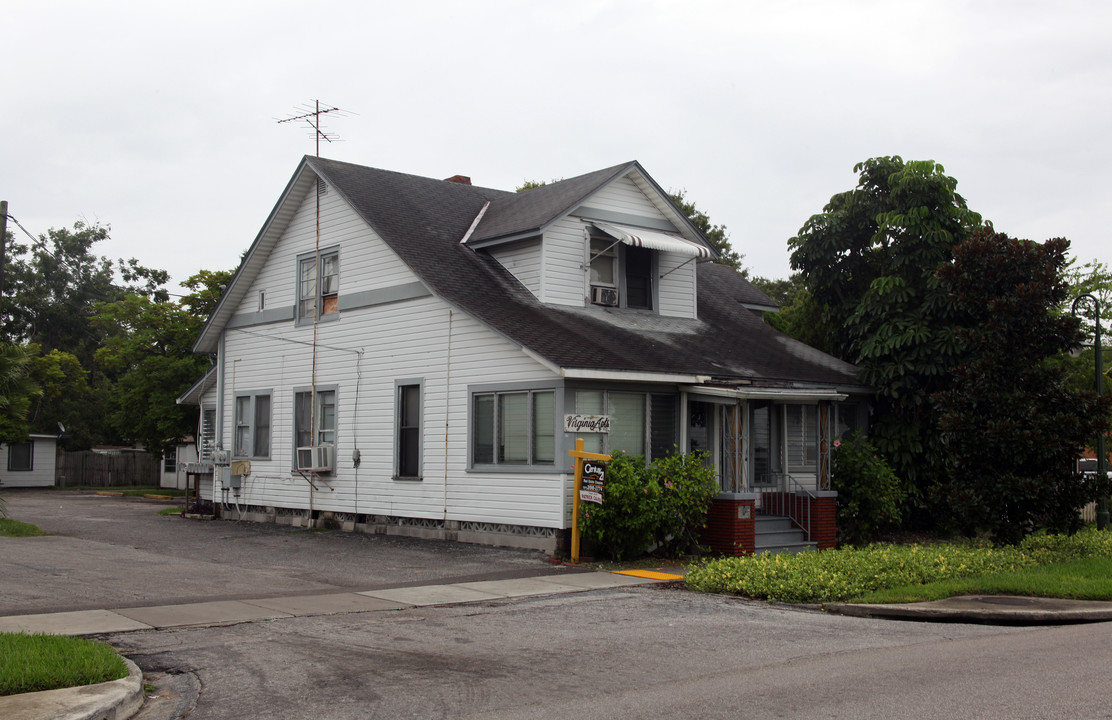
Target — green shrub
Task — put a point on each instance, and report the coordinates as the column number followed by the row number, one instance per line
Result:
column 835, row 575
column 870, row 496
column 849, row 572
column 625, row 523
column 687, row 486
column 663, row 505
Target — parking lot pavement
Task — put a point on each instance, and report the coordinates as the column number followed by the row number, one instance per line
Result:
column 112, row 552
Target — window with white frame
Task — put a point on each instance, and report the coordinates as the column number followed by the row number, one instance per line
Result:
column 21, row 456
column 620, row 274
column 408, row 417
column 170, row 460
column 513, row 428
column 604, row 262
column 252, row 425
column 318, row 285
column 314, row 419
column 641, row 423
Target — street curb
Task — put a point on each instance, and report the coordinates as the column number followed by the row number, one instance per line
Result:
column 982, row 611
column 115, row 700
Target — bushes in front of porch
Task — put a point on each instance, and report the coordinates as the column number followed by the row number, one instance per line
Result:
column 660, row 506
column 870, row 496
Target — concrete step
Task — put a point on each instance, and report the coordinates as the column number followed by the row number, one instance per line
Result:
column 778, row 534
column 773, row 523
column 793, row 549
column 785, row 537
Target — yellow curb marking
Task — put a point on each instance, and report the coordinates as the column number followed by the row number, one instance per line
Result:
column 650, row 574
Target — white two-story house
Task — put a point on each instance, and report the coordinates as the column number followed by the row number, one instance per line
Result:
column 399, row 354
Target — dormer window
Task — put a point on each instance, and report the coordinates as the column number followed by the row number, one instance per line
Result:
column 638, row 271
column 621, row 275
column 623, row 263
column 604, row 262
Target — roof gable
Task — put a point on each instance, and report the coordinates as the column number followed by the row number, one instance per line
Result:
column 531, row 212
column 423, row 221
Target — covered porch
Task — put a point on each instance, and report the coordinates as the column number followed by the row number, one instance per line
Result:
column 772, row 449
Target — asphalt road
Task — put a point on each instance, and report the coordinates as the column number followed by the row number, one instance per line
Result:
column 645, row 652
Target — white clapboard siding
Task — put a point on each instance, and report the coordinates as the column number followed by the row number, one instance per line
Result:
column 624, row 196
column 362, row 355
column 365, row 261
column 565, row 255
column 676, row 285
column 42, row 469
column 523, row 259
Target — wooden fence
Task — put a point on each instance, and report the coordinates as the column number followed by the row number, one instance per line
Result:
column 102, row 470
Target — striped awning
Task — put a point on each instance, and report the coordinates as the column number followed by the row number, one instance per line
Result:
column 639, row 237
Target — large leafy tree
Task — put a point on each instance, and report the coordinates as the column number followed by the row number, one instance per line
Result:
column 1013, row 425
column 148, row 357
column 68, row 401
column 17, row 392
column 207, row 286
column 52, row 284
column 869, row 263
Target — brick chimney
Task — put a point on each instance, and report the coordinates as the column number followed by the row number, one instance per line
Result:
column 461, row 179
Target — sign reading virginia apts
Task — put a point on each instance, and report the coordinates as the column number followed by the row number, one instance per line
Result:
column 587, row 423
column 594, row 480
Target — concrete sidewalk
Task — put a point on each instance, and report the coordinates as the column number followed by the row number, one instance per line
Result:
column 121, row 699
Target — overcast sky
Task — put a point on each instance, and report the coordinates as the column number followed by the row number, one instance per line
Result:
column 158, row 118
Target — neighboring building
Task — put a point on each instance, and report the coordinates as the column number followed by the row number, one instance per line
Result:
column 415, row 346
column 30, row 463
column 175, row 461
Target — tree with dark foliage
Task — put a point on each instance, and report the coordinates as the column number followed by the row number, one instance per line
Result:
column 868, row 262
column 1012, row 424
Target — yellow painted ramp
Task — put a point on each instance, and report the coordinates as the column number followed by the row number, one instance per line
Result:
column 649, row 574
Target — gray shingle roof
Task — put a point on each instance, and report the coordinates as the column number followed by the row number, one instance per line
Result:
column 531, row 210
column 423, row 221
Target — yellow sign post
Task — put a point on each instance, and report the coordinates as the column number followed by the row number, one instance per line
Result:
column 580, row 455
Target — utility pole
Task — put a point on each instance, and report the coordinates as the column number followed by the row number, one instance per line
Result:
column 3, row 248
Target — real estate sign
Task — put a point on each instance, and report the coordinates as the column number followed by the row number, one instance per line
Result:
column 593, row 482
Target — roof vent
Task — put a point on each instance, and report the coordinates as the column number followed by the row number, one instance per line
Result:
column 461, row 179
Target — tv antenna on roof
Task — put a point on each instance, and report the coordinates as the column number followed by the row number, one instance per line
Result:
column 311, row 115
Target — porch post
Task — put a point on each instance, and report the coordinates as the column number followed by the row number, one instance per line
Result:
column 822, row 482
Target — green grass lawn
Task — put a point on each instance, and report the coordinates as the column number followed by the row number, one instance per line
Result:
column 29, row 663
column 1088, row 579
column 15, row 528
column 171, row 511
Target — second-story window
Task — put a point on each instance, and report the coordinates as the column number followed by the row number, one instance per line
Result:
column 318, row 286
column 604, row 262
column 621, row 275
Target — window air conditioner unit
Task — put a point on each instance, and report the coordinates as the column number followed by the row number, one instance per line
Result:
column 604, row 295
column 317, row 458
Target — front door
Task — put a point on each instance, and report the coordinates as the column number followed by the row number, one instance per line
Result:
column 764, row 459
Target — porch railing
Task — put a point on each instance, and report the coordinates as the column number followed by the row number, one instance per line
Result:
column 784, row 496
